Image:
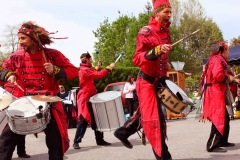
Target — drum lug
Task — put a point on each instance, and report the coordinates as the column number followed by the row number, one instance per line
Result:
column 160, row 95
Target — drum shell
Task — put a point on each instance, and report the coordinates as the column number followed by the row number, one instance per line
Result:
column 27, row 124
column 173, row 97
column 171, row 101
column 108, row 112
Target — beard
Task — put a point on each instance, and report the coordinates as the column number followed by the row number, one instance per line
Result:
column 27, row 48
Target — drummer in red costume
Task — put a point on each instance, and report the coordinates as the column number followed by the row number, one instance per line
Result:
column 87, row 75
column 152, row 51
column 213, row 82
column 38, row 70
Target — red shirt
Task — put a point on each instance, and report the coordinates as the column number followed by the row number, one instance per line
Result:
column 149, row 37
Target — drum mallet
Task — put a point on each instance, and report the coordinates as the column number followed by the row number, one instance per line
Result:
column 97, row 52
column 185, row 37
column 121, row 54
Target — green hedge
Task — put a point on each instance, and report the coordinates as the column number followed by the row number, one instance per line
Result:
column 118, row 74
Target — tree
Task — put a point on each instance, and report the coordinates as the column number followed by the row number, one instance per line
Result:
column 10, row 44
column 193, row 50
column 120, row 36
column 112, row 38
column 235, row 41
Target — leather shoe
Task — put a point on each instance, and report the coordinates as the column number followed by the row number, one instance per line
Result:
column 103, row 143
column 228, row 144
column 24, row 156
column 124, row 141
column 76, row 146
column 220, row 150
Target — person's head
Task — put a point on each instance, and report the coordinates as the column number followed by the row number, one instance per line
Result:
column 220, row 48
column 61, row 88
column 162, row 11
column 30, row 34
column 130, row 79
column 86, row 58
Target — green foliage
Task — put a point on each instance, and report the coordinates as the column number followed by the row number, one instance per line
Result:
column 120, row 36
column 72, row 83
column 193, row 83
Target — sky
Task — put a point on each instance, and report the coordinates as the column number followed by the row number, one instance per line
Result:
column 77, row 19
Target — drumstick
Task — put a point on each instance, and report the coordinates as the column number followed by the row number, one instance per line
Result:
column 121, row 54
column 185, row 37
column 41, row 47
column 15, row 83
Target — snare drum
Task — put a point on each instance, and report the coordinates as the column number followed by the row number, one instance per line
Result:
column 5, row 99
column 27, row 116
column 173, row 97
column 108, row 110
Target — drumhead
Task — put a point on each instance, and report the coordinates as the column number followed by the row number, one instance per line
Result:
column 25, row 107
column 5, row 100
column 105, row 96
column 177, row 90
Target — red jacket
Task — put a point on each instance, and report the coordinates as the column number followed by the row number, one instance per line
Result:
column 214, row 107
column 33, row 78
column 87, row 75
column 149, row 37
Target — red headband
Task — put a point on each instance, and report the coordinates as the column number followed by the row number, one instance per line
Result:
column 160, row 4
column 28, row 32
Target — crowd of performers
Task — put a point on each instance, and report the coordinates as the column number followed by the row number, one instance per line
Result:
column 35, row 69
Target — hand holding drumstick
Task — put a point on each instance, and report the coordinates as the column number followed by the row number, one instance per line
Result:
column 49, row 67
column 13, row 80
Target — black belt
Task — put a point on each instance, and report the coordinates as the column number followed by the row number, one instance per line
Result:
column 205, row 87
column 146, row 77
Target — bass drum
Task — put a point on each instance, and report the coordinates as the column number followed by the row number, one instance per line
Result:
column 108, row 110
column 173, row 97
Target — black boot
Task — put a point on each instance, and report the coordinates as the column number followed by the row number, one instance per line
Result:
column 99, row 139
column 123, row 138
column 24, row 156
column 76, row 146
column 103, row 143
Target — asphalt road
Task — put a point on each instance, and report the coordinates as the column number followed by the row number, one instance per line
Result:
column 186, row 141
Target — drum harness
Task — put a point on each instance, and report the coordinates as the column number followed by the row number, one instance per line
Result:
column 204, row 88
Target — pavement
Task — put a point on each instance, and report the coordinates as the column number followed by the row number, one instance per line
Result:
column 187, row 140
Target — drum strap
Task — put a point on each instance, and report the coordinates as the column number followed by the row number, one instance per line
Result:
column 146, row 77
column 205, row 87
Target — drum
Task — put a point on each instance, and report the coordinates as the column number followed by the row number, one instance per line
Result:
column 108, row 110
column 5, row 99
column 173, row 97
column 27, row 116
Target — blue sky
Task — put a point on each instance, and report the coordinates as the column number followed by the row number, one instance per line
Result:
column 77, row 19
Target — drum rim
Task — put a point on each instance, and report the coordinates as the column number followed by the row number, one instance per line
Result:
column 179, row 88
column 25, row 97
column 99, row 101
